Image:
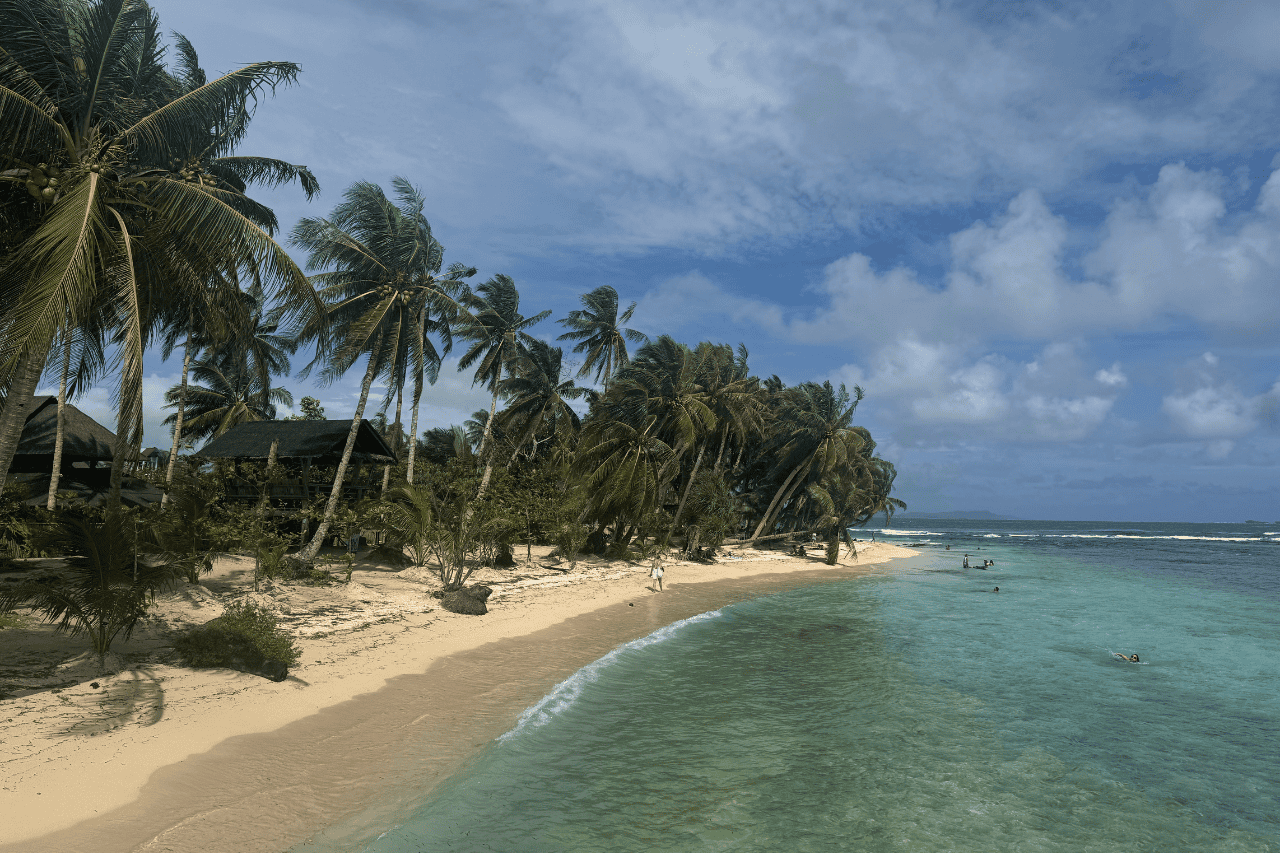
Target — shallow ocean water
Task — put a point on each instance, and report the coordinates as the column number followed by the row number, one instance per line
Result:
column 919, row 711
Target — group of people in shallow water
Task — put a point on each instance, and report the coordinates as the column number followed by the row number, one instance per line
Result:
column 985, row 563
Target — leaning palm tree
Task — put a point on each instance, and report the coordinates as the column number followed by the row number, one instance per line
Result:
column 493, row 323
column 818, row 436
column 538, row 399
column 378, row 282
column 132, row 188
column 600, row 334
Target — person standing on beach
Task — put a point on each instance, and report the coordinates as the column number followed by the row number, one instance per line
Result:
column 656, row 573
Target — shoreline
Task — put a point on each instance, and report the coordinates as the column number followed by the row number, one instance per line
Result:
column 166, row 758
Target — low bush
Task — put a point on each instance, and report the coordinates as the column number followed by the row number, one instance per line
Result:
column 245, row 634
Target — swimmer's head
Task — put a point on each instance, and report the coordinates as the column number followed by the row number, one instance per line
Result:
column 1134, row 658
column 997, row 589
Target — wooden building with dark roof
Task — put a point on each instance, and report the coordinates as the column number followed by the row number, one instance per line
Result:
column 87, row 450
column 85, row 442
column 301, row 447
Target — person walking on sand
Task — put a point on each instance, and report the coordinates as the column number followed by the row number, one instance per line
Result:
column 656, row 573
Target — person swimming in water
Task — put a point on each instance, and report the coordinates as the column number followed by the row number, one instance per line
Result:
column 1130, row 659
column 997, row 589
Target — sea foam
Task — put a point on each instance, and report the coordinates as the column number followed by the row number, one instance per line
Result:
column 564, row 694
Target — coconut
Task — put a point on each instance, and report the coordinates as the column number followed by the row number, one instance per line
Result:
column 48, row 193
column 34, row 189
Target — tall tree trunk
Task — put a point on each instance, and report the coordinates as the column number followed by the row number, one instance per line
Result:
column 784, row 488
column 488, row 428
column 684, row 497
column 177, row 426
column 308, row 554
column 17, row 406
column 413, row 428
column 720, row 454
column 397, row 429
column 52, row 503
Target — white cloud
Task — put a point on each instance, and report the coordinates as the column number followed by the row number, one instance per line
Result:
column 930, row 390
column 1112, row 377
column 1220, row 411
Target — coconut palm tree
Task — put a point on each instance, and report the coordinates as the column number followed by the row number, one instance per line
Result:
column 132, row 188
column 378, row 281
column 493, row 323
column 600, row 334
column 231, row 394
column 538, row 399
column 817, row 436
column 621, row 467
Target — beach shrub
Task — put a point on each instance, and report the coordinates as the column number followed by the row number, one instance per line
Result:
column 105, row 588
column 246, row 635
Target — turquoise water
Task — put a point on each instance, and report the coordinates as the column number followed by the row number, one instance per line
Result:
column 919, row 711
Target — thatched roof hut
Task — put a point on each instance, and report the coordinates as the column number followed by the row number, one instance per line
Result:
column 86, row 445
column 316, row 442
column 84, row 440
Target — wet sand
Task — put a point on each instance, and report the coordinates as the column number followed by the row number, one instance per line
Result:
column 345, row 770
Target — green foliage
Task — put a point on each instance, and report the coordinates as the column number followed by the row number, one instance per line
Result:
column 186, row 530
column 440, row 520
column 311, row 410
column 107, row 584
column 712, row 510
column 245, row 633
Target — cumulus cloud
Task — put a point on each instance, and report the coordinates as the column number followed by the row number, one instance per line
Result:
column 931, row 390
column 1214, row 409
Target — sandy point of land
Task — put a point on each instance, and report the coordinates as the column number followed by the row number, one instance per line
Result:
column 392, row 693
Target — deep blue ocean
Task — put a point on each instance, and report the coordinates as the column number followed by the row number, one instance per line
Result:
column 918, row 710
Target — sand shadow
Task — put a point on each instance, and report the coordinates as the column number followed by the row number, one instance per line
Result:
column 138, row 700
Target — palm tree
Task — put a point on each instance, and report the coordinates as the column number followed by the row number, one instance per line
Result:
column 621, row 467
column 493, row 323
column 598, row 330
column 232, row 394
column 133, row 189
column 537, row 398
column 378, row 284
column 105, row 589
column 818, row 436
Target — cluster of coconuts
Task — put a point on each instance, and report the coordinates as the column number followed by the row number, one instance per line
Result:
column 43, row 182
column 384, row 291
column 190, row 172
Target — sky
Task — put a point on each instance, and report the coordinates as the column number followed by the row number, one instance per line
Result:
column 1044, row 237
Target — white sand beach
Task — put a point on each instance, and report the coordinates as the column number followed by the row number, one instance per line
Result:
column 392, row 693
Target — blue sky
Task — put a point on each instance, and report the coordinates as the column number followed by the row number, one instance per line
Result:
column 1043, row 237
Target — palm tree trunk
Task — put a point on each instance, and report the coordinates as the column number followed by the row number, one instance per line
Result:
column 720, row 454
column 13, row 417
column 56, row 473
column 688, row 488
column 308, row 553
column 413, row 428
column 395, row 439
column 776, row 499
column 488, row 428
column 177, row 426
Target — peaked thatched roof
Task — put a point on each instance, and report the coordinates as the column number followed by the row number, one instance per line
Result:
column 83, row 438
column 314, row 440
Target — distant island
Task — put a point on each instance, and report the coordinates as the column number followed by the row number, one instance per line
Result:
column 974, row 515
